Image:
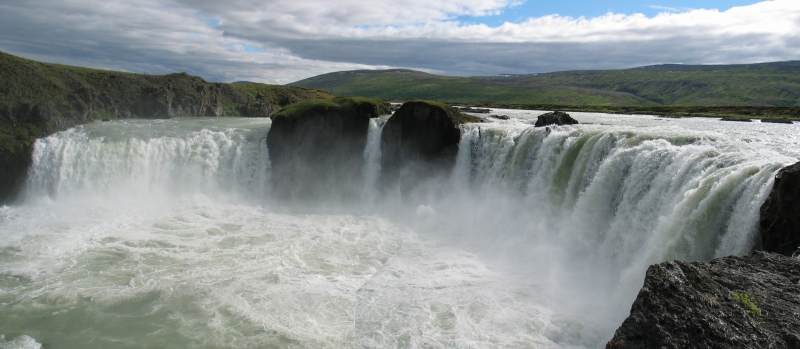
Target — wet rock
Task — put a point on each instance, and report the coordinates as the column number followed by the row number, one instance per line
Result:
column 499, row 117
column 780, row 214
column 474, row 110
column 555, row 118
column 419, row 143
column 730, row 118
column 317, row 148
column 730, row 302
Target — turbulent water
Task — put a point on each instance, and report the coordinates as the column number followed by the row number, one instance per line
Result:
column 142, row 233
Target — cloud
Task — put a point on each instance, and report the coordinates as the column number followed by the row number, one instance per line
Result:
column 281, row 41
column 665, row 8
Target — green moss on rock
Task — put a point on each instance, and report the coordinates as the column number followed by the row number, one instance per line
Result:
column 370, row 106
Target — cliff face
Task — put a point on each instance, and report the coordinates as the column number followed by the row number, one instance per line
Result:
column 317, row 148
column 420, row 143
column 780, row 214
column 38, row 99
column 730, row 302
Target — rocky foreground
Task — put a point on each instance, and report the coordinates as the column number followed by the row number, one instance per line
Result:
column 730, row 302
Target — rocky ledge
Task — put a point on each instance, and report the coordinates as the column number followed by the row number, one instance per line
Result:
column 555, row 118
column 730, row 302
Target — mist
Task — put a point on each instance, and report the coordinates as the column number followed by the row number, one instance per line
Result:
column 172, row 232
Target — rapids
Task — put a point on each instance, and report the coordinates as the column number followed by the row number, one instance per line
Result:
column 162, row 233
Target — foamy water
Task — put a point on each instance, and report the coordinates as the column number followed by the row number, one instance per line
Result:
column 144, row 233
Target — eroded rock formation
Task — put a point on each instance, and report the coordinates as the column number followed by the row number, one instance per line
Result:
column 730, row 302
column 555, row 118
column 420, row 143
column 317, row 148
column 780, row 214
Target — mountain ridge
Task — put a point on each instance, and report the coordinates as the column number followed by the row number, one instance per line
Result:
column 757, row 84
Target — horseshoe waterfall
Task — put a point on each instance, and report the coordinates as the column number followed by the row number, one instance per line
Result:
column 168, row 233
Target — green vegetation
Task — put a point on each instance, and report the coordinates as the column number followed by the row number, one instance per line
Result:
column 409, row 85
column 374, row 106
column 749, row 304
column 768, row 84
column 458, row 116
column 39, row 98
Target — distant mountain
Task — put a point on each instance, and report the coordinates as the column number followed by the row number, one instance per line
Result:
column 763, row 84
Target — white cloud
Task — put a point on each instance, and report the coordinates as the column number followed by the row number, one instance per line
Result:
column 291, row 39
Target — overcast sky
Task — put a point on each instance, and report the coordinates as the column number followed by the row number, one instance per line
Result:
column 281, row 41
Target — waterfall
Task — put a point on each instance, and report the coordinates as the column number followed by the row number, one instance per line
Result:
column 372, row 159
column 539, row 236
column 137, row 161
column 625, row 195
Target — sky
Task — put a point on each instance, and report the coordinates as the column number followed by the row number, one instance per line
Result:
column 281, row 41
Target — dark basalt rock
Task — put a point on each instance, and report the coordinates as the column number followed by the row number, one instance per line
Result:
column 778, row 121
column 419, row 143
column 730, row 302
column 317, row 148
column 729, row 118
column 474, row 110
column 780, row 213
column 555, row 118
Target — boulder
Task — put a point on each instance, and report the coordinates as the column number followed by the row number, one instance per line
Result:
column 317, row 148
column 730, row 302
column 780, row 214
column 420, row 142
column 555, row 118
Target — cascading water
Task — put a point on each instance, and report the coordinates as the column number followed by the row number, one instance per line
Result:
column 145, row 233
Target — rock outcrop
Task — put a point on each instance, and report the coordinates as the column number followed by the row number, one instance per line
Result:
column 420, row 142
column 730, row 302
column 317, row 148
column 38, row 99
column 736, row 119
column 780, row 214
column 555, row 118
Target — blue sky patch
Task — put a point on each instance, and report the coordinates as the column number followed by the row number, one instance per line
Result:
column 588, row 9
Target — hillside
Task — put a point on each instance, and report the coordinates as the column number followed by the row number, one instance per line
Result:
column 408, row 84
column 37, row 99
column 766, row 84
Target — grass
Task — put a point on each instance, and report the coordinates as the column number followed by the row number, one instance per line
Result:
column 458, row 117
column 70, row 93
column 769, row 84
column 376, row 106
column 409, row 85
column 749, row 303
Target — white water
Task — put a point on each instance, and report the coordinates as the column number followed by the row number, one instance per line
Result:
column 146, row 233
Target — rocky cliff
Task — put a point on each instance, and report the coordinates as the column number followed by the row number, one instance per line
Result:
column 317, row 147
column 780, row 214
column 730, row 302
column 37, row 99
column 418, row 143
